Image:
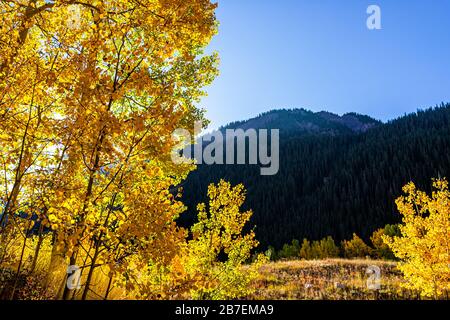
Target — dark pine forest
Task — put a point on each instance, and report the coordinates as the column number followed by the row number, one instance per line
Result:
column 338, row 174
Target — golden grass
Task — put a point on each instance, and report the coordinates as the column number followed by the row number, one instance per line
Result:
column 331, row 279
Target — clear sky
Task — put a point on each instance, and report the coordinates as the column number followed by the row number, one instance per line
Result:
column 319, row 55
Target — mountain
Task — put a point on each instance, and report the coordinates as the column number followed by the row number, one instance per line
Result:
column 338, row 174
column 301, row 121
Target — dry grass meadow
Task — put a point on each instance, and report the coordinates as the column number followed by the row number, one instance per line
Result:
column 331, row 279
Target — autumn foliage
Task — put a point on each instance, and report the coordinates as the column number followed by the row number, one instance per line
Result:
column 424, row 244
column 90, row 93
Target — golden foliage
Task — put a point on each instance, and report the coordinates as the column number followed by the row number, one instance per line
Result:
column 424, row 244
column 90, row 93
column 325, row 248
column 219, row 249
column 381, row 249
column 355, row 248
column 211, row 265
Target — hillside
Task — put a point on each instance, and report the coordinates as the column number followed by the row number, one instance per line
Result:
column 338, row 175
column 301, row 121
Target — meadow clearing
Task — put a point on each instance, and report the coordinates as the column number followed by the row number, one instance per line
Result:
column 330, row 279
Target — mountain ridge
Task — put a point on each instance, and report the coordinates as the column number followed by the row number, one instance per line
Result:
column 335, row 184
column 289, row 120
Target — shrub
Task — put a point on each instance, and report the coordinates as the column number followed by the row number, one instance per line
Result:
column 355, row 248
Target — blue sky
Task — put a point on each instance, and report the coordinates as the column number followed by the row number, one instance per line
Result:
column 319, row 55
